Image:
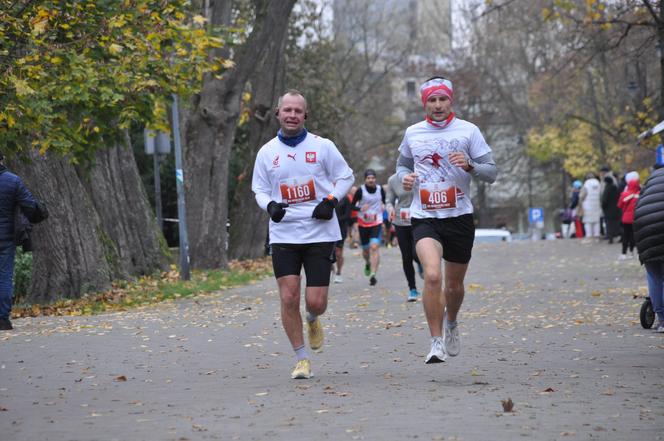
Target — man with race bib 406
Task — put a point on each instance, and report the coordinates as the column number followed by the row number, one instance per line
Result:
column 438, row 157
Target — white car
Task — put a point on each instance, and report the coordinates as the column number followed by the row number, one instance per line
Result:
column 489, row 235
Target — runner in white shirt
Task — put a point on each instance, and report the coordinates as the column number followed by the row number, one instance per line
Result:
column 437, row 159
column 298, row 179
column 369, row 200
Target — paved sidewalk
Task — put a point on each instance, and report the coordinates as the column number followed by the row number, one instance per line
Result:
column 553, row 326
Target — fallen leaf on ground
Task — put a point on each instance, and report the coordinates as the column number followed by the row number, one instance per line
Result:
column 508, row 405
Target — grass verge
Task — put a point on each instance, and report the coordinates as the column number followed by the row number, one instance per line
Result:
column 148, row 290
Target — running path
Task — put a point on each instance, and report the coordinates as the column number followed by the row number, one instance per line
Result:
column 551, row 325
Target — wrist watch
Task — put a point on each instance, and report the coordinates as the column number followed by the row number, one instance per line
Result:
column 471, row 163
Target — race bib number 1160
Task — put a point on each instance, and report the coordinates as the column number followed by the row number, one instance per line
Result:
column 297, row 190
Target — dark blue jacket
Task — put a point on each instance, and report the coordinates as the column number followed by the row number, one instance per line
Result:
column 12, row 194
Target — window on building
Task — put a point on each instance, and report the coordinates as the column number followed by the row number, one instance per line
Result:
column 410, row 89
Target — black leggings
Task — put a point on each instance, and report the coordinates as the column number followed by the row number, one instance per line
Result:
column 408, row 254
column 628, row 238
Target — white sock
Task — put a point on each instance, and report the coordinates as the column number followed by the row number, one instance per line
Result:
column 301, row 353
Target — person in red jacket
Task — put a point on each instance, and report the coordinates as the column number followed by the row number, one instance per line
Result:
column 627, row 203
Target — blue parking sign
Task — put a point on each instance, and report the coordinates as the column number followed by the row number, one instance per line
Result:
column 535, row 215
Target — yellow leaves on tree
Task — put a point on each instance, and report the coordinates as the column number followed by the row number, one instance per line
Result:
column 572, row 143
column 113, row 62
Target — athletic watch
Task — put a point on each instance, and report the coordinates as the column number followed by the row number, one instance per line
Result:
column 471, row 163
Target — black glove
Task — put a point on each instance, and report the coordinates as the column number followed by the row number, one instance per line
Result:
column 325, row 209
column 277, row 210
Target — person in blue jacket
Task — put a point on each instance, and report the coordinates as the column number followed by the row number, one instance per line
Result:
column 13, row 195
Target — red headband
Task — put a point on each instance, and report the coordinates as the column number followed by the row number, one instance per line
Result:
column 436, row 86
column 440, row 89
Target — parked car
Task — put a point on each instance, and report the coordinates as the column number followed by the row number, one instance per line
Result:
column 489, row 235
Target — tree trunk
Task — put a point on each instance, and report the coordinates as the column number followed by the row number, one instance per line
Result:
column 69, row 258
column 209, row 136
column 116, row 190
column 248, row 221
column 100, row 227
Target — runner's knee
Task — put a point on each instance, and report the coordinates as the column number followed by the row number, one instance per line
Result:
column 433, row 278
column 290, row 300
column 454, row 289
column 317, row 306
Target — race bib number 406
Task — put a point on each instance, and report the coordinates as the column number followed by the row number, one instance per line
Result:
column 298, row 190
column 437, row 196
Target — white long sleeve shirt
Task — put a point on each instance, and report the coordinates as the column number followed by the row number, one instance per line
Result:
column 301, row 176
column 442, row 190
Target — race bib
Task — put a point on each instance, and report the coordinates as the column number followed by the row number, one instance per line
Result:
column 437, row 196
column 404, row 214
column 298, row 190
column 369, row 217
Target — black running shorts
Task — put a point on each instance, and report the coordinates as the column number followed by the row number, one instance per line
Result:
column 368, row 233
column 455, row 234
column 317, row 259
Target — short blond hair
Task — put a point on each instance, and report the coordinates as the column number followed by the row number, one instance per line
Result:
column 293, row 92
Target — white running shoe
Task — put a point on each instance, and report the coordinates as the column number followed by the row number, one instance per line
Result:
column 437, row 353
column 452, row 341
column 338, row 278
column 622, row 257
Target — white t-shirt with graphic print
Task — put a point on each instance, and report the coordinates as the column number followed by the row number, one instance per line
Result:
column 301, row 176
column 442, row 190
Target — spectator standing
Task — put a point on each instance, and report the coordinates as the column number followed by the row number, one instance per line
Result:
column 610, row 208
column 627, row 203
column 590, row 204
column 649, row 235
column 569, row 213
column 603, row 173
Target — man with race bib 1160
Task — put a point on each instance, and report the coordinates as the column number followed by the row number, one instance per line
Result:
column 298, row 179
column 438, row 157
